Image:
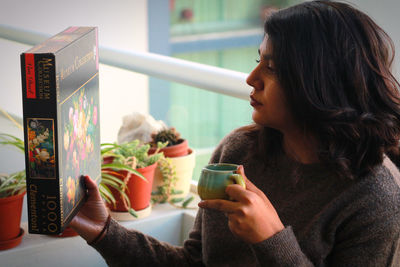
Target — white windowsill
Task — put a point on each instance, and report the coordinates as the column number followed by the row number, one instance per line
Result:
column 165, row 223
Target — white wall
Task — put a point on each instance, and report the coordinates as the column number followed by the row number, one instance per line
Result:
column 122, row 24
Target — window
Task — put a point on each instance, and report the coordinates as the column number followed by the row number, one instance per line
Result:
column 223, row 33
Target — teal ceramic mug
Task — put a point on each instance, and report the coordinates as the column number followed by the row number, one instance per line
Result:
column 215, row 178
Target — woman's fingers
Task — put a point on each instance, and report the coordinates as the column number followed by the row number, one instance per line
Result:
column 238, row 193
column 219, row 204
column 240, row 170
column 249, row 185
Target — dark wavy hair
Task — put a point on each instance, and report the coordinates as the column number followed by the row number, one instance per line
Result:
column 334, row 65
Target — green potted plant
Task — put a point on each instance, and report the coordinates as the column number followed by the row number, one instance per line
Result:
column 12, row 191
column 166, row 190
column 172, row 186
column 127, row 178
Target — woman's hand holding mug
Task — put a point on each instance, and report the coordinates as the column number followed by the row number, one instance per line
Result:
column 251, row 215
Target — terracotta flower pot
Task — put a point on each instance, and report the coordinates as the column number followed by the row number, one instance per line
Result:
column 10, row 220
column 139, row 191
column 177, row 150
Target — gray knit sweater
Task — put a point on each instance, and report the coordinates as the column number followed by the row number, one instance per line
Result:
column 328, row 221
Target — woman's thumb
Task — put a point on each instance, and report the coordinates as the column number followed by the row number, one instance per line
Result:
column 91, row 186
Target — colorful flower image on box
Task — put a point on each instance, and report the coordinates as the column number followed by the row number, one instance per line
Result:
column 71, row 186
column 41, row 148
column 80, row 135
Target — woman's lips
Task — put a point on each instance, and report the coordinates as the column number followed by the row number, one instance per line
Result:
column 254, row 102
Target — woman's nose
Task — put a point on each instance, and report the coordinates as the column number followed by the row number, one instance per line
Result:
column 254, row 81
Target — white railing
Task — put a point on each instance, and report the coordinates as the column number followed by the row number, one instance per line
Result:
column 203, row 76
column 219, row 80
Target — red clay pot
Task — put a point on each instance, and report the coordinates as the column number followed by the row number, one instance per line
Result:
column 10, row 220
column 177, row 150
column 139, row 191
column 7, row 244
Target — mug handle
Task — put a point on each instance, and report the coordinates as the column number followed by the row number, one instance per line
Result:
column 238, row 179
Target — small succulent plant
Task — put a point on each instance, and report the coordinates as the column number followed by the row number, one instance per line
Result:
column 165, row 193
column 169, row 136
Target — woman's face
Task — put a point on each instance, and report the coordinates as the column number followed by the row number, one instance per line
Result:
column 267, row 98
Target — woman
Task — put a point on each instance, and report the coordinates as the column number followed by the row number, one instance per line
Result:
column 322, row 191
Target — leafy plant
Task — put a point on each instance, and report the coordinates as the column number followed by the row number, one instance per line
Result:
column 166, row 191
column 131, row 154
column 15, row 183
column 8, row 139
column 169, row 136
column 124, row 157
column 12, row 184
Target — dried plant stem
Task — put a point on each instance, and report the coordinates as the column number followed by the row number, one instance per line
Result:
column 133, row 165
column 11, row 118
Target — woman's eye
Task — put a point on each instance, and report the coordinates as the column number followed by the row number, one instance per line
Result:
column 268, row 64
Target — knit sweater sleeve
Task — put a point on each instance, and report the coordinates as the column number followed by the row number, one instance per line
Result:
column 282, row 249
column 123, row 247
